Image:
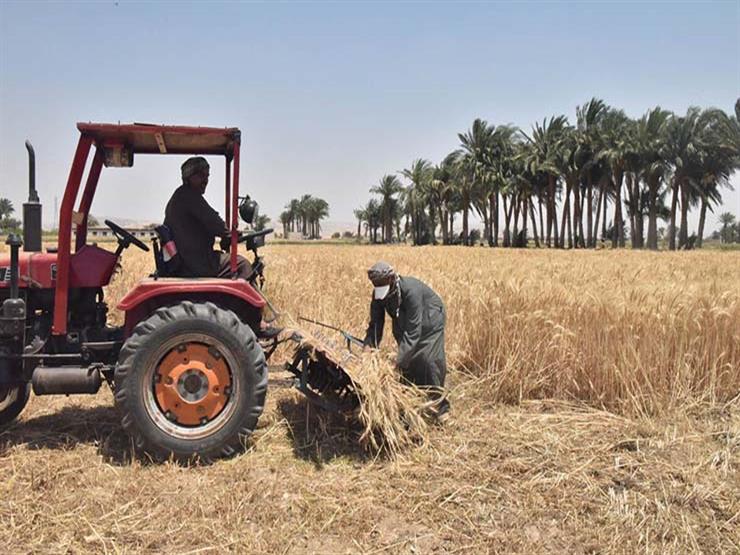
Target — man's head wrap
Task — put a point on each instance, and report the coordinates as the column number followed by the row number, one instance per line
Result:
column 193, row 165
column 381, row 273
column 384, row 278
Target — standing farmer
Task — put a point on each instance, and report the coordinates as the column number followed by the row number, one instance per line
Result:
column 418, row 317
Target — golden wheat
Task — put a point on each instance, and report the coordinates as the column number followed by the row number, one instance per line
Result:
column 637, row 332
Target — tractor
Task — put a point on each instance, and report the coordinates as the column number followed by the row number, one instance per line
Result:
column 188, row 368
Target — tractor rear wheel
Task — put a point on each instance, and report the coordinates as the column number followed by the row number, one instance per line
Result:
column 191, row 382
column 13, row 399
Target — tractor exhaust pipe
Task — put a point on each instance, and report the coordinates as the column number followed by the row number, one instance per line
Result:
column 50, row 380
column 32, row 208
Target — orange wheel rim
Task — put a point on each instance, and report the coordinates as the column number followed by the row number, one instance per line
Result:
column 193, row 384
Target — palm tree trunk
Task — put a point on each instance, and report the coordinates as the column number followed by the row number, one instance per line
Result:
column 581, row 235
column 702, row 218
column 595, row 234
column 578, row 226
column 515, row 209
column 618, row 237
column 570, row 227
column 683, row 235
column 629, row 185
column 652, row 234
column 534, row 223
column 542, row 227
column 523, row 203
column 672, row 225
column 494, row 217
column 507, row 223
column 590, row 213
column 442, row 222
column 566, row 208
column 603, row 220
column 466, row 207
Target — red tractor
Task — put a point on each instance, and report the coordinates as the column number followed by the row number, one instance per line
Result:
column 187, row 367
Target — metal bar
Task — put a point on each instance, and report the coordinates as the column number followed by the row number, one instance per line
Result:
column 227, row 209
column 87, row 197
column 61, row 296
column 234, row 209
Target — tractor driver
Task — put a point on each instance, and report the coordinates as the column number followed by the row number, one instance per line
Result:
column 194, row 225
column 418, row 317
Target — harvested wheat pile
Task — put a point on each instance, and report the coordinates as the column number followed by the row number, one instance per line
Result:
column 394, row 416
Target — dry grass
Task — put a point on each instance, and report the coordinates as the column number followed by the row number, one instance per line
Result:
column 594, row 409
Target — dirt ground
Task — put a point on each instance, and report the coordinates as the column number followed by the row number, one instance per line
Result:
column 539, row 478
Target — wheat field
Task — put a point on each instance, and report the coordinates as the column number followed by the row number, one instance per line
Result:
column 594, row 401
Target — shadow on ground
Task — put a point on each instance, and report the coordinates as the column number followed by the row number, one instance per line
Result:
column 319, row 436
column 98, row 426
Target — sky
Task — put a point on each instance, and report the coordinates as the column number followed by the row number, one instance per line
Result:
column 330, row 96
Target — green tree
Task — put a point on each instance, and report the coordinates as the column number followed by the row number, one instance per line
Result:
column 413, row 196
column 388, row 187
column 727, row 232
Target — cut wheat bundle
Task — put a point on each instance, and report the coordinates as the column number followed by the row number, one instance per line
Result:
column 393, row 415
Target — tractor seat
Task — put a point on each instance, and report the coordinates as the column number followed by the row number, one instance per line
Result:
column 167, row 260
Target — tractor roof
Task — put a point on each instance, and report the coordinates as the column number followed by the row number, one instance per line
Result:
column 147, row 138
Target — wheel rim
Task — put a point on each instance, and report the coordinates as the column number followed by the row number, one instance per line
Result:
column 190, row 392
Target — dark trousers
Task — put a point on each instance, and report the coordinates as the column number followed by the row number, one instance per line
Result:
column 243, row 267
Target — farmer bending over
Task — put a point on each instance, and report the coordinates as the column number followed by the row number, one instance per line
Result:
column 418, row 317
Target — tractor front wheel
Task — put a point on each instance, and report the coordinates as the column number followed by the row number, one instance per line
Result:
column 13, row 399
column 191, row 383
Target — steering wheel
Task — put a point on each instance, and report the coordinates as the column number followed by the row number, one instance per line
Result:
column 125, row 238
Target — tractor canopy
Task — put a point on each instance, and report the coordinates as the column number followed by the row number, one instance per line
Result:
column 145, row 138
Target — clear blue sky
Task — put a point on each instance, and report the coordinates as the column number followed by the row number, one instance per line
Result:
column 330, row 96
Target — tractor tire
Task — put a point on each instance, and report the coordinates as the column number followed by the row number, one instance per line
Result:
column 13, row 400
column 190, row 383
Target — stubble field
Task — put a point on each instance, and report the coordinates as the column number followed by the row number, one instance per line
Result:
column 595, row 410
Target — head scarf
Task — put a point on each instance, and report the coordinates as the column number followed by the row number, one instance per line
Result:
column 387, row 285
column 193, row 165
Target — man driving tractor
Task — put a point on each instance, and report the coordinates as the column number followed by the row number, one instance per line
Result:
column 418, row 317
column 194, row 225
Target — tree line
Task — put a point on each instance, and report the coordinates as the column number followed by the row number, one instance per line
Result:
column 304, row 215
column 566, row 183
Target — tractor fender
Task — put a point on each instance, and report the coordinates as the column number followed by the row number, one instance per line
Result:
column 232, row 294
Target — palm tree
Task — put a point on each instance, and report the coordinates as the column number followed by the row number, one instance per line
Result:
column 651, row 166
column 361, row 216
column 317, row 209
column 719, row 159
column 726, row 233
column 589, row 118
column 373, row 217
column 285, row 222
column 419, row 174
column 543, row 157
column 293, row 208
column 618, row 133
column 681, row 149
column 388, row 187
column 6, row 208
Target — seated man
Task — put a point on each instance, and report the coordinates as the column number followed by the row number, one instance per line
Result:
column 194, row 225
